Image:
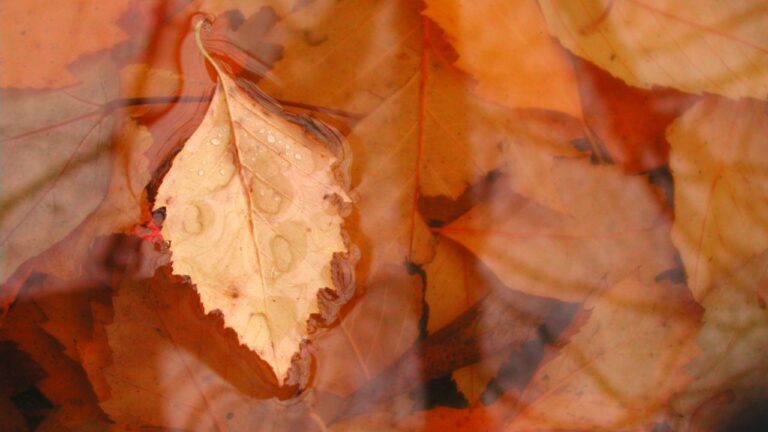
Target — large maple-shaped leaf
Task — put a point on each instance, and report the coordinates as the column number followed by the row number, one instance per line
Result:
column 59, row 33
column 712, row 47
column 515, row 61
column 612, row 226
column 253, row 204
column 719, row 160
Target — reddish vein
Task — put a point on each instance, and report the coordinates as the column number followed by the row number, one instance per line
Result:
column 420, row 132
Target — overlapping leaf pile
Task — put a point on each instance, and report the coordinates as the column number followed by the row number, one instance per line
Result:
column 560, row 210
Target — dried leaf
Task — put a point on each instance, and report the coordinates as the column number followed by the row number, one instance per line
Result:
column 60, row 33
column 254, row 216
column 714, row 47
column 719, row 161
column 613, row 226
column 524, row 68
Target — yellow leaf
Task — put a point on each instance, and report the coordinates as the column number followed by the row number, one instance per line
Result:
column 704, row 46
column 719, row 160
column 515, row 61
column 254, row 216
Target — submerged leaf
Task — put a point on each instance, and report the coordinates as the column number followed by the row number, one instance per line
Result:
column 515, row 61
column 173, row 367
column 719, row 160
column 621, row 367
column 55, row 161
column 254, row 208
column 58, row 33
column 612, row 226
column 732, row 370
column 707, row 46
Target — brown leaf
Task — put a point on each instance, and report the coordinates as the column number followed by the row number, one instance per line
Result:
column 254, row 209
column 65, row 384
column 503, row 319
column 455, row 282
column 380, row 326
column 622, row 363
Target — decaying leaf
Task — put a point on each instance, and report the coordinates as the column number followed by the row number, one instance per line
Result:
column 710, row 46
column 254, row 206
column 521, row 68
column 612, row 226
column 719, row 159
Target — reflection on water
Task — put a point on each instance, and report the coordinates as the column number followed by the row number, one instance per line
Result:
column 561, row 210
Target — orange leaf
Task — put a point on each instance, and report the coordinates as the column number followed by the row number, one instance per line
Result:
column 719, row 162
column 621, row 367
column 629, row 121
column 732, row 370
column 172, row 366
column 504, row 45
column 711, row 46
column 612, row 227
column 59, row 32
